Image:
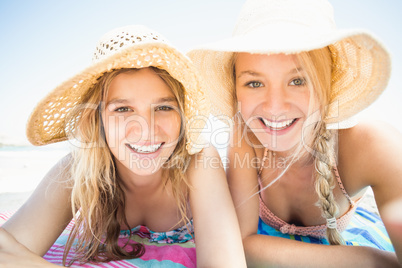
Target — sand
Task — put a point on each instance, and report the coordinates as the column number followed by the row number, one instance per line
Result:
column 21, row 170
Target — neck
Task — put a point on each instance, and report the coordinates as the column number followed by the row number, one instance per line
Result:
column 293, row 171
column 139, row 185
column 295, row 156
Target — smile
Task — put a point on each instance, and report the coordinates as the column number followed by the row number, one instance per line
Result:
column 145, row 149
column 277, row 126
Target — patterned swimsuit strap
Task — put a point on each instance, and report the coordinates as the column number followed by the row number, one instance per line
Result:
column 264, row 158
column 338, row 179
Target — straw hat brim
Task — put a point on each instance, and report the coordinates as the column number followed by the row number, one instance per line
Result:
column 47, row 123
column 360, row 74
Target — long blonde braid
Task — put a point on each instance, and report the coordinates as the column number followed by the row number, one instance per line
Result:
column 325, row 182
column 319, row 64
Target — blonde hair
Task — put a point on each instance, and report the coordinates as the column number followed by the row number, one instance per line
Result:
column 97, row 199
column 318, row 66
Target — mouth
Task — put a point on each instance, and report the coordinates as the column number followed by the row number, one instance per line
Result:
column 278, row 125
column 145, row 149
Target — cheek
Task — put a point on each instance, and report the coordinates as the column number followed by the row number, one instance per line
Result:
column 114, row 128
column 105, row 123
column 245, row 103
column 308, row 105
column 110, row 135
column 169, row 124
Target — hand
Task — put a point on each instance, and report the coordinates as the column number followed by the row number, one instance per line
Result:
column 13, row 254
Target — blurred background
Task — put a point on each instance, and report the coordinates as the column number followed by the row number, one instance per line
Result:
column 45, row 42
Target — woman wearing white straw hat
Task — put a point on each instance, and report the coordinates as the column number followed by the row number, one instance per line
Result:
column 298, row 164
column 132, row 185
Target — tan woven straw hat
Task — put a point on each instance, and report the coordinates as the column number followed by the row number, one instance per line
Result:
column 127, row 47
column 361, row 65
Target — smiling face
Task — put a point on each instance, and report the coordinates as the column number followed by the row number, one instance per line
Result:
column 273, row 97
column 141, row 121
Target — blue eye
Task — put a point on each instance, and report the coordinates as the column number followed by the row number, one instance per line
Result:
column 122, row 109
column 254, row 84
column 298, row 82
column 164, row 108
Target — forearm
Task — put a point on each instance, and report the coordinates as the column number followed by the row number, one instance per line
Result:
column 42, row 218
column 393, row 222
column 397, row 243
column 221, row 250
column 217, row 232
column 395, row 232
column 14, row 254
column 262, row 250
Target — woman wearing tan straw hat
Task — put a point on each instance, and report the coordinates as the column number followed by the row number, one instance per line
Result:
column 298, row 165
column 132, row 185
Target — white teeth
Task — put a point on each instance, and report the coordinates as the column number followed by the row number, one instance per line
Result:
column 145, row 148
column 277, row 125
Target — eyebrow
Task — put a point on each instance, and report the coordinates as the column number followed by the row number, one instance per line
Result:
column 296, row 70
column 125, row 101
column 166, row 99
column 253, row 73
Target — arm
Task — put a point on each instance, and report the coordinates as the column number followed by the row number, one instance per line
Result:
column 216, row 228
column 38, row 223
column 263, row 250
column 378, row 164
column 282, row 252
column 392, row 217
column 14, row 254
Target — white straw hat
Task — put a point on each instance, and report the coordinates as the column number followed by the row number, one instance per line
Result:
column 361, row 65
column 127, row 47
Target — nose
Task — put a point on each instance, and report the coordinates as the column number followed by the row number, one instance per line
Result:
column 141, row 127
column 276, row 101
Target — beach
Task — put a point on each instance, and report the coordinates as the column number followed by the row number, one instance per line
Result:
column 21, row 170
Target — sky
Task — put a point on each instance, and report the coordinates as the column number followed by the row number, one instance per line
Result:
column 45, row 42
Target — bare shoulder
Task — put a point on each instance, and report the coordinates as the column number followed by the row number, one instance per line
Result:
column 61, row 172
column 209, row 153
column 372, row 130
column 243, row 179
column 242, row 143
column 206, row 163
column 56, row 185
column 48, row 210
column 241, row 155
column 370, row 139
column 370, row 152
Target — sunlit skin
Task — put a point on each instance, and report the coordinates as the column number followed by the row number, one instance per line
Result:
column 141, row 121
column 272, row 88
column 276, row 102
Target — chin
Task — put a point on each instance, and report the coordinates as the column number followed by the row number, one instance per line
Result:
column 278, row 144
column 145, row 172
column 144, row 167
